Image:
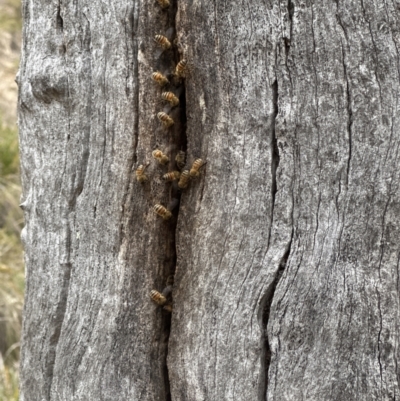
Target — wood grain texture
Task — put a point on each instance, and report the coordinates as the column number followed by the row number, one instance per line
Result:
column 285, row 250
column 334, row 319
column 94, row 247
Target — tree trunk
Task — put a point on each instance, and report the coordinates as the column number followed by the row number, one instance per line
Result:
column 284, row 252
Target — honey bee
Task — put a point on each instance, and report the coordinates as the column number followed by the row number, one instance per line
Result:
column 197, row 164
column 158, row 298
column 172, row 176
column 162, row 211
column 166, row 120
column 180, row 159
column 160, row 78
column 140, row 175
column 184, row 180
column 163, row 3
column 168, row 308
column 181, row 69
column 160, row 156
column 162, row 41
column 171, row 98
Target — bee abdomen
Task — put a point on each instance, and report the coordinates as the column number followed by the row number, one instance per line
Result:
column 166, row 120
column 160, row 78
column 184, row 179
column 162, row 41
column 172, row 176
column 181, row 68
column 171, row 98
column 194, row 171
column 158, row 298
column 140, row 175
column 162, row 211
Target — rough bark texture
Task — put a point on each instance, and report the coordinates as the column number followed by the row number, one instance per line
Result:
column 285, row 251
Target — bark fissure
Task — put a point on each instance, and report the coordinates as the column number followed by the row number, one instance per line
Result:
column 266, row 302
column 274, row 153
column 379, row 335
column 265, row 307
column 350, row 117
column 134, row 24
column 59, row 19
column 348, row 95
column 175, row 196
column 290, row 13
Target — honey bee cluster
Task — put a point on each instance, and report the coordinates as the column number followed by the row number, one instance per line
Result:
column 178, row 172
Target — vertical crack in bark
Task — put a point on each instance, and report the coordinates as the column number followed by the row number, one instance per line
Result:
column 265, row 305
column 379, row 335
column 274, row 153
column 290, row 7
column 348, row 93
column 350, row 117
column 134, row 26
column 175, row 195
column 59, row 19
column 265, row 309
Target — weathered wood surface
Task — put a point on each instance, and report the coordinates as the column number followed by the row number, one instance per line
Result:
column 286, row 254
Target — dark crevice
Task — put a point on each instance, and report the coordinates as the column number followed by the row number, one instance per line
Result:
column 134, row 26
column 379, row 336
column 59, row 20
column 274, row 153
column 291, row 13
column 266, row 301
column 290, row 7
column 348, row 94
column 264, row 315
column 350, row 115
column 179, row 143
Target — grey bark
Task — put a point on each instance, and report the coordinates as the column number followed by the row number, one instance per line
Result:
column 285, row 252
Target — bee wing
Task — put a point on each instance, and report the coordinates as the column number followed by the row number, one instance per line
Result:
column 173, row 204
column 157, row 52
column 169, row 33
column 170, row 148
column 167, row 290
column 167, row 108
column 178, row 91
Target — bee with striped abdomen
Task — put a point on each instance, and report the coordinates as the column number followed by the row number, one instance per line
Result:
column 162, row 41
column 160, row 78
column 181, row 69
column 160, row 156
column 140, row 173
column 158, row 298
column 197, row 164
column 162, row 211
column 166, row 120
column 172, row 176
column 171, row 98
column 184, row 179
